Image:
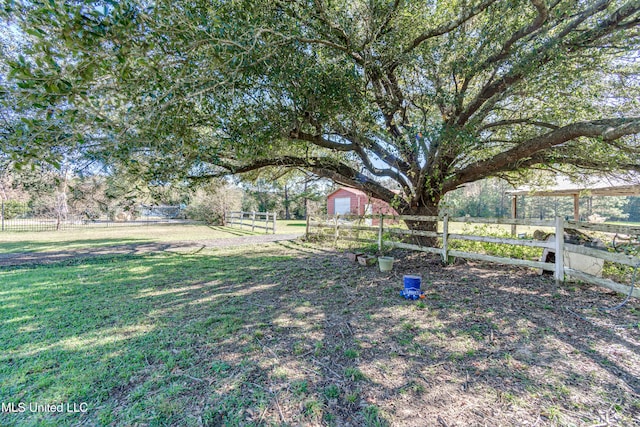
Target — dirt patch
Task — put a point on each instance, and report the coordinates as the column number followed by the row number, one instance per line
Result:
column 489, row 345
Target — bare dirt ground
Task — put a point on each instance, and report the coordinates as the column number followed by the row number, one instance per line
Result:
column 488, row 346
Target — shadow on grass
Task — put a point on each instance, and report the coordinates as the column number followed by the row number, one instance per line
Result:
column 289, row 334
column 75, row 251
column 7, row 248
column 234, row 230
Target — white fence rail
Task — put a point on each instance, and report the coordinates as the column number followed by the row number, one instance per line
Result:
column 552, row 245
column 262, row 220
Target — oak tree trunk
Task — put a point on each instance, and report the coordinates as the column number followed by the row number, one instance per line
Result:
column 426, row 209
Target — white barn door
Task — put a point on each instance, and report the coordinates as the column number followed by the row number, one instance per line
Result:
column 342, row 206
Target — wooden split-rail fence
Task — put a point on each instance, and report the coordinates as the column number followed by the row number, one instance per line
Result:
column 261, row 220
column 554, row 245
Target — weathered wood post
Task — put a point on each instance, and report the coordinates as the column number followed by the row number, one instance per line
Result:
column 335, row 224
column 380, row 230
column 274, row 222
column 253, row 221
column 559, row 248
column 445, row 239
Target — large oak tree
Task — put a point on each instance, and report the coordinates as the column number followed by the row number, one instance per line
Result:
column 428, row 95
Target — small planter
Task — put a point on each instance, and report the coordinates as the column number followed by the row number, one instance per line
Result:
column 366, row 260
column 353, row 256
column 385, row 263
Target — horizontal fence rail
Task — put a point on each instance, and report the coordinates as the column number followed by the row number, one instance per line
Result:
column 332, row 226
column 262, row 220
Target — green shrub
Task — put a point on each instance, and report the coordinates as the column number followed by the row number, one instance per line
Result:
column 622, row 273
column 496, row 249
column 13, row 209
column 210, row 203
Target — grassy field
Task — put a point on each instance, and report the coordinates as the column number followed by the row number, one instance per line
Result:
column 42, row 241
column 294, row 334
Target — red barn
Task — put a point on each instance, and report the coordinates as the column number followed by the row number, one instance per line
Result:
column 351, row 201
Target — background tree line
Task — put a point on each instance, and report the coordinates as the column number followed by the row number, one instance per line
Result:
column 488, row 198
column 114, row 194
column 42, row 190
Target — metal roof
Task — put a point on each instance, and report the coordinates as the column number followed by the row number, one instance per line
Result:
column 595, row 186
column 350, row 190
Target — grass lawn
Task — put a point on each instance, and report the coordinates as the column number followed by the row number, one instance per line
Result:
column 294, row 334
column 44, row 241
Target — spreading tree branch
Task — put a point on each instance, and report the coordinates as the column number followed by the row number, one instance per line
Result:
column 537, row 23
column 321, row 166
column 558, row 156
column 448, row 26
column 540, row 56
column 519, row 121
column 607, row 129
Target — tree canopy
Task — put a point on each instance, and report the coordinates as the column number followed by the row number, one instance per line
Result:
column 427, row 96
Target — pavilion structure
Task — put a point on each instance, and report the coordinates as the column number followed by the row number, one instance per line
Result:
column 622, row 186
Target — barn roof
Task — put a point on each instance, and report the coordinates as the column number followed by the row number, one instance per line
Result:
column 350, row 190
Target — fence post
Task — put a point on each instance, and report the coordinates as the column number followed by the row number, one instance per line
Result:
column 274, row 222
column 445, row 239
column 514, row 214
column 380, row 233
column 306, row 231
column 253, row 221
column 559, row 247
column 335, row 222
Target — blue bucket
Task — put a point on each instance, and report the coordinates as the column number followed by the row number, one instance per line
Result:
column 411, row 287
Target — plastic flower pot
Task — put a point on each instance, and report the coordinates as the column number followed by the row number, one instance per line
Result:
column 385, row 263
